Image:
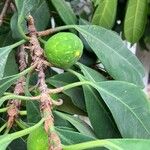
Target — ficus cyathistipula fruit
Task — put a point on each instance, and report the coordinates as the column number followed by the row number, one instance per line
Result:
column 63, row 49
column 38, row 139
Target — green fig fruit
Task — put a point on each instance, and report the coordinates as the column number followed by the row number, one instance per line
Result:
column 63, row 49
column 38, row 140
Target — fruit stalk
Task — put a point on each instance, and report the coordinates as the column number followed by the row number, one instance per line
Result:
column 45, row 99
column 53, row 30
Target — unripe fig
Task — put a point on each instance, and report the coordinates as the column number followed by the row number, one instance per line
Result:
column 38, row 140
column 63, row 49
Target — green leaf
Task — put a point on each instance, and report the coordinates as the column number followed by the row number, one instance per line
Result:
column 18, row 144
column 6, row 82
column 37, row 10
column 14, row 29
column 6, row 39
column 65, row 11
column 112, row 144
column 41, row 21
column 100, row 117
column 129, row 107
column 32, row 107
column 105, row 13
column 130, row 144
column 33, row 111
column 80, row 125
column 135, row 20
column 4, row 52
column 91, row 74
column 5, row 140
column 69, row 107
column 24, row 8
column 59, row 121
column 71, row 137
column 120, row 63
column 11, row 67
column 76, row 94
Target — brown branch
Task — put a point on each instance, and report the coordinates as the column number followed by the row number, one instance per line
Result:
column 3, row 12
column 46, row 32
column 46, row 101
column 14, row 105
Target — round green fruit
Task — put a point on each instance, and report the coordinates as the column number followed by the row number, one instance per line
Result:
column 63, row 49
column 38, row 140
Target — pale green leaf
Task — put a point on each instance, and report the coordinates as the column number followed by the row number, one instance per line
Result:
column 65, row 11
column 130, row 144
column 105, row 13
column 112, row 144
column 135, row 20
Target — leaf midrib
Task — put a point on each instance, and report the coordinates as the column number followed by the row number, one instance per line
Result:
column 102, row 89
column 77, row 28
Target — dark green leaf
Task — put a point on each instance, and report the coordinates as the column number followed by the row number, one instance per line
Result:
column 41, row 16
column 71, row 137
column 91, row 74
column 24, row 8
column 32, row 107
column 6, row 39
column 120, row 63
column 80, row 125
column 69, row 107
column 6, row 82
column 14, row 29
column 76, row 94
column 4, row 52
column 33, row 111
column 18, row 144
column 11, row 67
column 59, row 121
column 129, row 107
column 100, row 117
